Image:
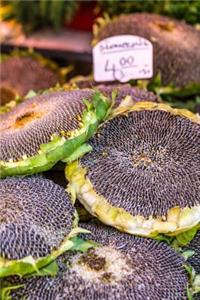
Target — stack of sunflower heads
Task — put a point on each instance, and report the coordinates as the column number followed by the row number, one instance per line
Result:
column 133, row 164
column 121, row 217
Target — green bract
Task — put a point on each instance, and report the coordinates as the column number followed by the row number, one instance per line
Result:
column 61, row 147
column 38, row 224
column 137, row 178
column 120, row 267
column 29, row 265
column 50, row 266
column 192, row 256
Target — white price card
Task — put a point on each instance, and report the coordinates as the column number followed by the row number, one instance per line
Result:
column 123, row 57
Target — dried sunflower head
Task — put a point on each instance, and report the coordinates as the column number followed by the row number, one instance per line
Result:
column 37, row 222
column 25, row 71
column 174, row 44
column 194, row 260
column 47, row 128
column 142, row 176
column 122, row 267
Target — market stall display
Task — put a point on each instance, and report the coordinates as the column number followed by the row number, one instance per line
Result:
column 99, row 188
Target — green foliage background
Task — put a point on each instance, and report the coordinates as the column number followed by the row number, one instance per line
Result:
column 188, row 10
column 34, row 14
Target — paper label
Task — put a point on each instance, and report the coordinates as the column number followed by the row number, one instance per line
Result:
column 123, row 57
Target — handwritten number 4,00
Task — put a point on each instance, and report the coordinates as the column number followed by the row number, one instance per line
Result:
column 117, row 73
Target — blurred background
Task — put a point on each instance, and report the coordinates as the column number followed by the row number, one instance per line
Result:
column 60, row 32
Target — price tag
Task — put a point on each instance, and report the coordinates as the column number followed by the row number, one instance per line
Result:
column 123, row 57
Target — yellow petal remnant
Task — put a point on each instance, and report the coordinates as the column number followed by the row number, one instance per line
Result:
column 176, row 220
